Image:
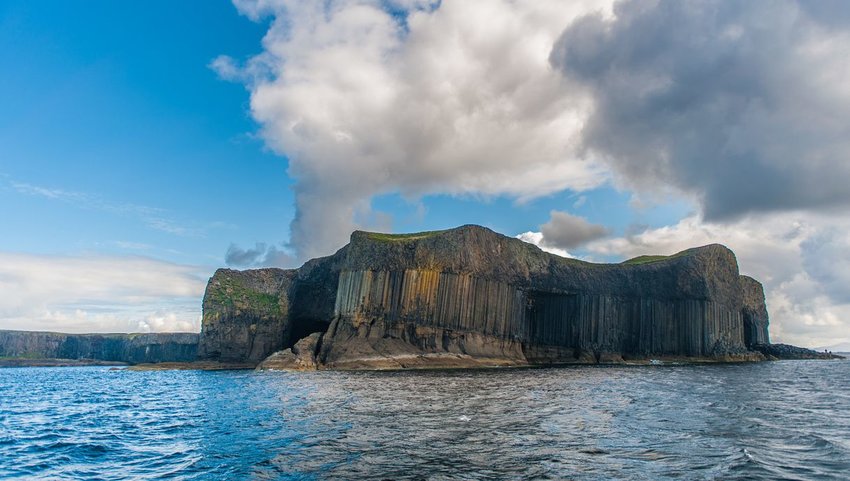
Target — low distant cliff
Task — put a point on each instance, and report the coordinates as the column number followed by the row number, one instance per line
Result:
column 125, row 348
column 469, row 296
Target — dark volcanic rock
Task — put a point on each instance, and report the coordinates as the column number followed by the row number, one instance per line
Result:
column 472, row 280
column 470, row 296
column 300, row 357
column 124, row 348
column 786, row 351
column 246, row 314
column 755, row 312
column 250, row 314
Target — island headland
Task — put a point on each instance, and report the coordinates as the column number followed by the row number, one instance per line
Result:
column 470, row 297
column 463, row 297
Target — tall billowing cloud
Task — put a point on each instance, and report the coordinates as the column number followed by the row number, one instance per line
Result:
column 370, row 97
column 743, row 105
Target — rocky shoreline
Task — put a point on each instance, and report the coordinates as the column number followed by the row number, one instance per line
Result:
column 789, row 352
column 48, row 362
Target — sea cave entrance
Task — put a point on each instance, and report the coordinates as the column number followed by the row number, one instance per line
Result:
column 551, row 317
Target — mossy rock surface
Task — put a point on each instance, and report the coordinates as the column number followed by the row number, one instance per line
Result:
column 257, row 292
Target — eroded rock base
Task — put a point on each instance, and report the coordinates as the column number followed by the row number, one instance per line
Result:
column 300, row 357
column 371, row 347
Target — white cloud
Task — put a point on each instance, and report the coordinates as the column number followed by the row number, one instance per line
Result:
column 582, row 199
column 99, row 293
column 536, row 238
column 460, row 99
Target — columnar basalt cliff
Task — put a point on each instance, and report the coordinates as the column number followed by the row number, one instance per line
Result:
column 471, row 297
column 124, row 348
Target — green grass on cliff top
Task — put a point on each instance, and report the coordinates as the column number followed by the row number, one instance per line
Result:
column 644, row 260
column 379, row 236
column 639, row 260
column 232, row 294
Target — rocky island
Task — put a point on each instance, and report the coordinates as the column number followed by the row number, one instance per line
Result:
column 463, row 297
column 469, row 297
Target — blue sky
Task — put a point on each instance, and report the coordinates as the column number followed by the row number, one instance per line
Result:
column 159, row 136
column 115, row 103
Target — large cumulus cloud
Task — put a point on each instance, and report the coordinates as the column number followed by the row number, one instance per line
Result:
column 743, row 105
column 461, row 99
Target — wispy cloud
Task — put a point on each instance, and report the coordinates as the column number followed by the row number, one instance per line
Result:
column 153, row 217
column 57, row 194
column 130, row 245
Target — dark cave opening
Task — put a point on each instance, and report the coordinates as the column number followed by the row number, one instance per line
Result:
column 550, row 317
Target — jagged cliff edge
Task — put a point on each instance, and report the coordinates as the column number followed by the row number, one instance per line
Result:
column 471, row 297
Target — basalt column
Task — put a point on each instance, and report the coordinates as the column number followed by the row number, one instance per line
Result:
column 432, row 298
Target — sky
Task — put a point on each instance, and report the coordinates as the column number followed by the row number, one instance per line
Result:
column 145, row 144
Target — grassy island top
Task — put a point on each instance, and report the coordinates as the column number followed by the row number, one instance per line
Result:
column 380, row 236
column 478, row 233
column 649, row 259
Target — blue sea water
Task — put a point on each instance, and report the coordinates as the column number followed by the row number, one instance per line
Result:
column 766, row 421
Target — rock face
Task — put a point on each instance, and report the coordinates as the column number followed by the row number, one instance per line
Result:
column 469, row 297
column 755, row 312
column 126, row 348
column 245, row 314
column 786, row 351
column 250, row 314
column 300, row 357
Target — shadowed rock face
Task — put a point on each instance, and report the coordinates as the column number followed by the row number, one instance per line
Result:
column 245, row 314
column 300, row 357
column 755, row 313
column 470, row 296
column 251, row 314
column 127, row 348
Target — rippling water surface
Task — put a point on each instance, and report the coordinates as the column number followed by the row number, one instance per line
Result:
column 779, row 420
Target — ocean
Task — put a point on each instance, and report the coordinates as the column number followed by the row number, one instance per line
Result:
column 763, row 421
